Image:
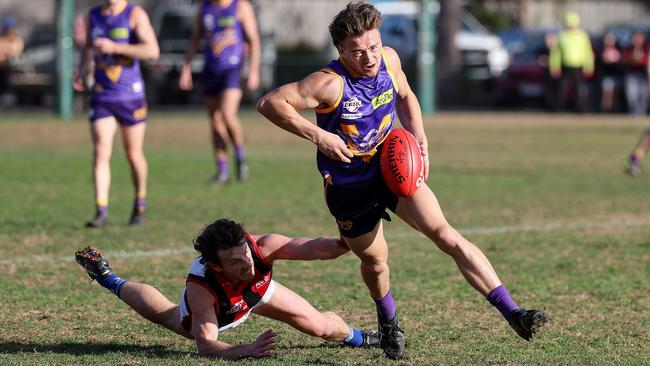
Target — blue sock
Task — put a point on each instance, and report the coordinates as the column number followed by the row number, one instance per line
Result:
column 386, row 308
column 113, row 282
column 355, row 339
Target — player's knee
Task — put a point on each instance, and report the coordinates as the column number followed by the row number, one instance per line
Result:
column 446, row 238
column 376, row 268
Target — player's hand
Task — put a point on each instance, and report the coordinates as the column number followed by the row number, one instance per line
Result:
column 424, row 150
column 79, row 84
column 105, row 46
column 587, row 73
column 253, row 81
column 185, row 80
column 333, row 147
column 263, row 345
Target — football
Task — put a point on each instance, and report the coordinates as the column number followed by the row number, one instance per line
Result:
column 401, row 163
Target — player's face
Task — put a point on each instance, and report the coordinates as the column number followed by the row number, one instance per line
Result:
column 237, row 263
column 362, row 54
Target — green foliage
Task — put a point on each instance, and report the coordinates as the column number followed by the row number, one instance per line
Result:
column 543, row 197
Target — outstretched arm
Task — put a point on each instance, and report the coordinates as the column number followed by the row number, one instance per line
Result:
column 205, row 331
column 147, row 47
column 276, row 246
column 408, row 107
column 319, row 89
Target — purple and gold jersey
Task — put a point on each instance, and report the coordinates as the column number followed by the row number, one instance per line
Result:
column 117, row 77
column 224, row 35
column 362, row 116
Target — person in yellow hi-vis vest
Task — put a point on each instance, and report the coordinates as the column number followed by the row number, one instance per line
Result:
column 571, row 62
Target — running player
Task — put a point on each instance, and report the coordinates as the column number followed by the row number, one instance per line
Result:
column 120, row 34
column 227, row 26
column 357, row 99
column 229, row 280
column 633, row 163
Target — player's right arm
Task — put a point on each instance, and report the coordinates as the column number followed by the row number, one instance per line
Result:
column 83, row 67
column 319, row 89
column 185, row 80
column 205, row 330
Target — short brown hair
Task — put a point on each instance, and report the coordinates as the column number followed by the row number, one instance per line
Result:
column 356, row 19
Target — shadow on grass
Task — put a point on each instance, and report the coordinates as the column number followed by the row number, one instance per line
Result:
column 89, row 349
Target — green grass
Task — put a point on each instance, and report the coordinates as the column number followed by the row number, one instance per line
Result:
column 499, row 177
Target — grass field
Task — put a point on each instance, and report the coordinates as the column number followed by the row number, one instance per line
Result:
column 543, row 195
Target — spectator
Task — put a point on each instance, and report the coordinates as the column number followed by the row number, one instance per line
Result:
column 11, row 46
column 635, row 65
column 571, row 61
column 610, row 66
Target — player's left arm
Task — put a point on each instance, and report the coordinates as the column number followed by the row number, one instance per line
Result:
column 408, row 107
column 146, row 49
column 249, row 26
column 276, row 246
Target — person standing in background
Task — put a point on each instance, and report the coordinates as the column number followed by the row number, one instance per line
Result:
column 610, row 67
column 11, row 46
column 571, row 61
column 635, row 66
column 228, row 26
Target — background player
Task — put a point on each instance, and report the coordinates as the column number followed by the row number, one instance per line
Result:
column 357, row 99
column 226, row 25
column 120, row 35
column 633, row 164
column 231, row 279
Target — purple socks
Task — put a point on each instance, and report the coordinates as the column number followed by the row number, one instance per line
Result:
column 240, row 153
column 222, row 167
column 386, row 308
column 102, row 211
column 500, row 299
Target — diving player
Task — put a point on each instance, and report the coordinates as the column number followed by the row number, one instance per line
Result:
column 230, row 279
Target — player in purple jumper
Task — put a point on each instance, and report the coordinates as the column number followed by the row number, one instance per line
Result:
column 227, row 26
column 120, row 34
column 357, row 99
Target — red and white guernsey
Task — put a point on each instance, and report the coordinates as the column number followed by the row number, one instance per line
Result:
column 232, row 304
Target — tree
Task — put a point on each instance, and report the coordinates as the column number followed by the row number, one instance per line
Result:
column 448, row 55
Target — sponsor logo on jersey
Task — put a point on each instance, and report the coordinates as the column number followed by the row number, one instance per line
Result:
column 208, row 21
column 119, row 33
column 237, row 307
column 352, row 105
column 227, row 21
column 351, row 115
column 262, row 282
column 96, row 33
column 385, row 98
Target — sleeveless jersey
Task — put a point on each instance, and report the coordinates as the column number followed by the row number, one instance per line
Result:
column 224, row 36
column 362, row 116
column 232, row 305
column 117, row 77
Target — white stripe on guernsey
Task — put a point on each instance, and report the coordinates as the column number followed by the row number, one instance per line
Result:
column 496, row 230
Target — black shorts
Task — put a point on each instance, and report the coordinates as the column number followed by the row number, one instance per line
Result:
column 358, row 207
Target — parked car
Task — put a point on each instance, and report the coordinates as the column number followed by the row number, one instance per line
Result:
column 527, row 77
column 33, row 74
column 483, row 55
column 173, row 24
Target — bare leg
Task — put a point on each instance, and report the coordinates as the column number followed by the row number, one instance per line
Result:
column 218, row 127
column 289, row 307
column 133, row 137
column 423, row 213
column 102, row 132
column 641, row 147
column 152, row 305
column 229, row 103
column 372, row 249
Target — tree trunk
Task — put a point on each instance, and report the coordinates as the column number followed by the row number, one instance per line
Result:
column 449, row 57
